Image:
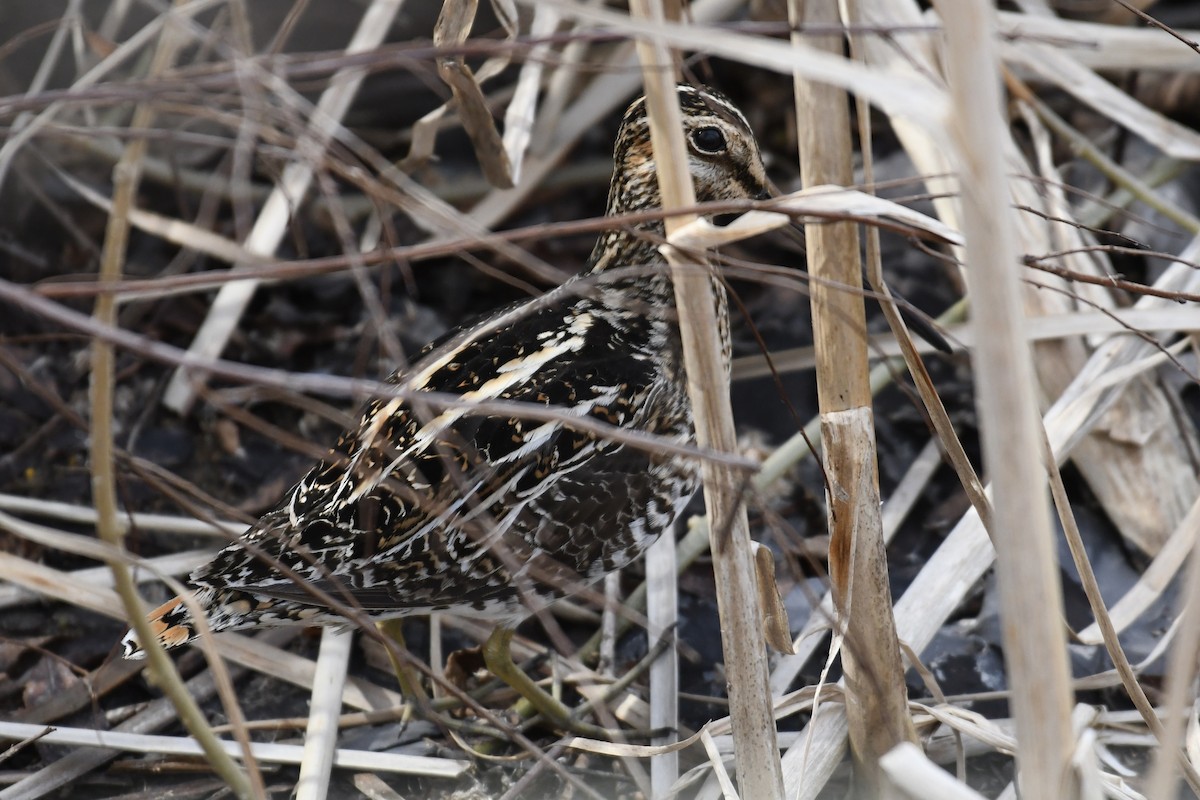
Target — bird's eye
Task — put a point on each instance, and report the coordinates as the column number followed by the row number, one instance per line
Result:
column 708, row 140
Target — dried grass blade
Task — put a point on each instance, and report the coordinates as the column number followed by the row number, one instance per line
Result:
column 453, row 27
column 266, row 752
column 896, row 94
column 46, row 581
column 810, row 761
column 1112, row 643
column 1180, row 676
column 299, row 671
column 175, row 231
column 718, row 766
column 85, row 515
column 100, row 577
column 111, row 62
column 825, row 201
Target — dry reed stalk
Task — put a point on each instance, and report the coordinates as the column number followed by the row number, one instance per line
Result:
column 1035, row 647
column 320, row 737
column 877, row 698
column 759, row 774
column 662, row 613
column 966, row 553
column 898, row 505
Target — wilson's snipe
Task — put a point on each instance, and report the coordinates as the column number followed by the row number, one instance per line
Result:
column 421, row 510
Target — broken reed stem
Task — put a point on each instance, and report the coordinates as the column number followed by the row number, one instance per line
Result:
column 759, row 773
column 1030, row 592
column 877, row 699
column 108, row 526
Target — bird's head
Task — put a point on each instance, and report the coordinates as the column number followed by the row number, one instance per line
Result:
column 722, row 154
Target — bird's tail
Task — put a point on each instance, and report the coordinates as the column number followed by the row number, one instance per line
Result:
column 172, row 626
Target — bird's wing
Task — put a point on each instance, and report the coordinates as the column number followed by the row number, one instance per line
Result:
column 424, row 508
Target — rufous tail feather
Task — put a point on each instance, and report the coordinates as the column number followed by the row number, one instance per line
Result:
column 171, row 625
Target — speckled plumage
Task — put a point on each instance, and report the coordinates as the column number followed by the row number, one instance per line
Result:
column 418, row 510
